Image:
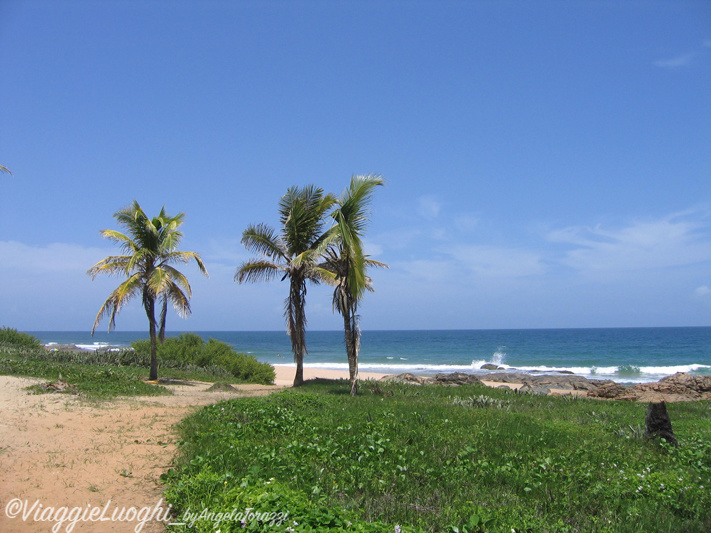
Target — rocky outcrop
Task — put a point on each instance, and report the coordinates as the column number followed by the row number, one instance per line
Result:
column 556, row 381
column 679, row 387
column 455, row 378
column 609, row 389
column 405, row 377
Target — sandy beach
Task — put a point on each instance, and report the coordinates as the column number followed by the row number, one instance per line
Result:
column 285, row 374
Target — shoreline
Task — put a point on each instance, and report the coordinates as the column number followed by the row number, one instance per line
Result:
column 285, row 374
column 677, row 387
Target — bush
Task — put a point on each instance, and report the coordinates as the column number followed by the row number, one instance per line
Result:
column 191, row 349
column 17, row 339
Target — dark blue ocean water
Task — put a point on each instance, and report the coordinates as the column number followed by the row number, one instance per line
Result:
column 623, row 354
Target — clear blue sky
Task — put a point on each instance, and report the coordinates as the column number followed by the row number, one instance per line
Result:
column 548, row 163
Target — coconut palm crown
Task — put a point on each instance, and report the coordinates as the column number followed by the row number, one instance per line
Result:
column 290, row 253
column 150, row 251
column 346, row 265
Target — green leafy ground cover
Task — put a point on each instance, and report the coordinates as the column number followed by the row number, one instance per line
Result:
column 106, row 374
column 407, row 458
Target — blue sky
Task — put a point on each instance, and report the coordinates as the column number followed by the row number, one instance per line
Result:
column 548, row 163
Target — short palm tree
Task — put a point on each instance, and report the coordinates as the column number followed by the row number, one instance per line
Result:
column 150, row 248
column 347, row 265
column 290, row 253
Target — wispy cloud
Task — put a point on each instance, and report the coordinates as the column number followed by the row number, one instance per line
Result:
column 466, row 223
column 672, row 241
column 56, row 257
column 703, row 292
column 428, row 207
column 683, row 60
column 497, row 261
column 677, row 61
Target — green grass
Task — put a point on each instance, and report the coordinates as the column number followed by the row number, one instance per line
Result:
column 102, row 375
column 92, row 381
column 443, row 459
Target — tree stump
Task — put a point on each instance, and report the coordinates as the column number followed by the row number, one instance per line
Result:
column 658, row 423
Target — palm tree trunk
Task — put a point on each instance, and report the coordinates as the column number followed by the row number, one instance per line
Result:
column 149, row 302
column 163, row 313
column 352, row 334
column 297, row 326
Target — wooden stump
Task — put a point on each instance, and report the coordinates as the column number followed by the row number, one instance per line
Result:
column 658, row 423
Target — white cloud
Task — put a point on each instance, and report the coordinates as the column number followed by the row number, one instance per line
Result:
column 673, row 241
column 499, row 262
column 466, row 223
column 55, row 257
column 427, row 270
column 372, row 249
column 428, row 207
column 702, row 291
column 681, row 60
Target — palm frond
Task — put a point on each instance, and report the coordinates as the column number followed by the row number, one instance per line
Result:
column 257, row 270
column 262, row 239
column 178, row 278
column 180, row 300
column 126, row 243
column 355, row 201
column 117, row 299
column 115, row 264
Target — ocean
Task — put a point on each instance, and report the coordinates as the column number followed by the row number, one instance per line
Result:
column 625, row 355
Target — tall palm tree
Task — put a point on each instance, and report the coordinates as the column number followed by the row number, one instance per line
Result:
column 5, row 169
column 150, row 248
column 291, row 253
column 347, row 265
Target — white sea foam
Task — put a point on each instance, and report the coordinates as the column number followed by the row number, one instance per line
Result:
column 93, row 347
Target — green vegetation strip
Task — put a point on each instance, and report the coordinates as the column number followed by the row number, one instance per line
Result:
column 407, row 458
column 106, row 374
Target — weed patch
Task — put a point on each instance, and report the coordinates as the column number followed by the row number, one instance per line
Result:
column 423, row 459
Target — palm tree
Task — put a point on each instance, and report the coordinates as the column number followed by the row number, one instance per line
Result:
column 5, row 169
column 150, row 251
column 347, row 265
column 290, row 253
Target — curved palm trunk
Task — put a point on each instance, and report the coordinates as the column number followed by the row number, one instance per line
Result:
column 297, row 325
column 163, row 313
column 149, row 303
column 352, row 334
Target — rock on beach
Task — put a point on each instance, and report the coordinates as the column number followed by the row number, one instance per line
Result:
column 679, row 387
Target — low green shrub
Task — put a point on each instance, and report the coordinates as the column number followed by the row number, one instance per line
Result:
column 191, row 349
column 16, row 339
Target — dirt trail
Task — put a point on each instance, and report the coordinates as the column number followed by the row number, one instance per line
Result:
column 61, row 450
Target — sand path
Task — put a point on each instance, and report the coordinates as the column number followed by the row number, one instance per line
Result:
column 62, row 450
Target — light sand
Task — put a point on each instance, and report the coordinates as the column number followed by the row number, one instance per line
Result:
column 285, row 374
column 61, row 450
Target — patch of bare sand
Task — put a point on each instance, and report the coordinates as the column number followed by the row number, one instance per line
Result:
column 62, row 450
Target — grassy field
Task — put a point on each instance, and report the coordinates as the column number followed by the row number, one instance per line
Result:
column 407, row 458
column 101, row 376
column 106, row 374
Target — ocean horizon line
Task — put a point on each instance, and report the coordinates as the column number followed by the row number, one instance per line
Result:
column 564, row 328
